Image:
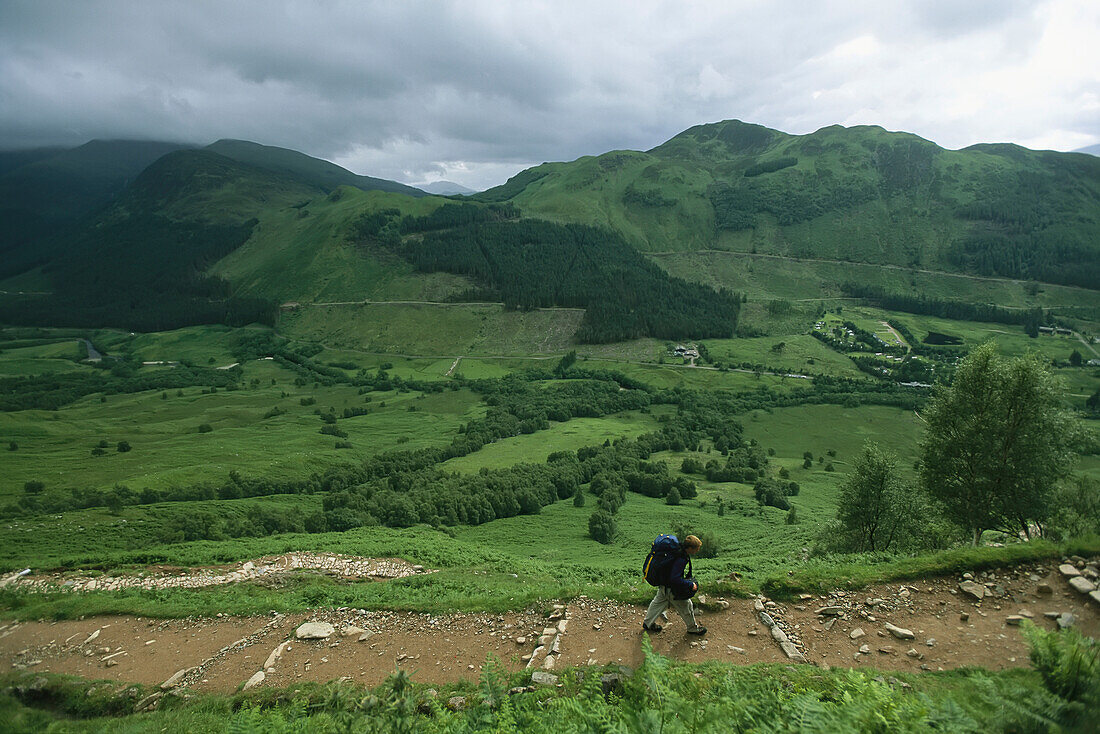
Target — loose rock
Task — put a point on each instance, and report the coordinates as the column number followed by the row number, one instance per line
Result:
column 314, row 631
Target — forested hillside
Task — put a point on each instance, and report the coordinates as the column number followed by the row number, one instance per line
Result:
column 140, row 264
column 530, row 263
column 46, row 190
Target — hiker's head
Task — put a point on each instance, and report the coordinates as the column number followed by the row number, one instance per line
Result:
column 692, row 545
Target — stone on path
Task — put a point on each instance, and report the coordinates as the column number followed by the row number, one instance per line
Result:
column 973, row 590
column 92, row 636
column 1068, row 570
column 767, row 620
column 1014, row 620
column 1044, row 589
column 276, row 654
column 857, row 633
column 1066, row 620
column 899, row 632
column 830, row 611
column 256, row 679
column 792, row 652
column 175, row 678
column 1082, row 584
column 351, row 629
column 542, row 678
column 314, row 631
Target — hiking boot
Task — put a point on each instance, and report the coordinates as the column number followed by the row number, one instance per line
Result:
column 698, row 631
column 652, row 627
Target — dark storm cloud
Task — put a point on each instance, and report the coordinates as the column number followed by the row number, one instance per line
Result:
column 473, row 91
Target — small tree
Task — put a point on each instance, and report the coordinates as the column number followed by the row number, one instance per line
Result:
column 578, row 497
column 1075, row 358
column 997, row 441
column 673, row 497
column 123, row 447
column 13, row 446
column 875, row 502
column 601, row 527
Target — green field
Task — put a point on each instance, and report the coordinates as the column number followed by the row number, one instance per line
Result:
column 568, row 436
column 425, row 329
column 168, row 449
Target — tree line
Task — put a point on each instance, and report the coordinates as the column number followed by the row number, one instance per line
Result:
column 516, row 404
column 537, row 264
column 942, row 308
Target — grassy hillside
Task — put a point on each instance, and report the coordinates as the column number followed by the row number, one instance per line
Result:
column 856, row 194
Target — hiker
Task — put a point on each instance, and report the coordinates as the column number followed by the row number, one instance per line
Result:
column 677, row 590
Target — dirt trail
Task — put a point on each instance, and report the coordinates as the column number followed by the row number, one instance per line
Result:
column 950, row 629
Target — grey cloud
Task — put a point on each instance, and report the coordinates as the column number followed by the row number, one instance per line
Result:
column 473, row 91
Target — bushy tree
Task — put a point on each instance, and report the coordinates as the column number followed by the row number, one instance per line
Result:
column 997, row 441
column 876, row 503
column 1077, row 509
column 601, row 527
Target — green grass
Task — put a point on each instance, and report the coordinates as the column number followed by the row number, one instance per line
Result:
column 55, row 446
column 568, row 436
column 314, row 242
column 199, row 345
column 424, row 329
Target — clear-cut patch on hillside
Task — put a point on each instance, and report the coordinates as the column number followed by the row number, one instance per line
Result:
column 351, row 567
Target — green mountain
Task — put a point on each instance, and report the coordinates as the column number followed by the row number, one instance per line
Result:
column 227, row 232
column 326, row 176
column 858, row 194
column 44, row 191
column 140, row 263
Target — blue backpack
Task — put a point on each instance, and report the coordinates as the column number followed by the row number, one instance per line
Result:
column 666, row 548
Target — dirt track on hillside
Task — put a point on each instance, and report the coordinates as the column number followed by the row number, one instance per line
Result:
column 222, row 653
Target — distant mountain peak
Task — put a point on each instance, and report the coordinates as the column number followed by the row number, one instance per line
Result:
column 445, row 188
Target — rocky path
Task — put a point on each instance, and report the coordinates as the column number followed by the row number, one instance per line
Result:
column 350, row 567
column 934, row 624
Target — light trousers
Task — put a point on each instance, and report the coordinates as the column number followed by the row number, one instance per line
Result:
column 664, row 599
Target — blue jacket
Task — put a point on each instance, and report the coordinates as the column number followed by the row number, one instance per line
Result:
column 682, row 588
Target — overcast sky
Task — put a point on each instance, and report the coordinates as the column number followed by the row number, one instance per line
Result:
column 473, row 92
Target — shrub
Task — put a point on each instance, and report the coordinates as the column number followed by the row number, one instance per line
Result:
column 123, row 447
column 13, row 446
column 34, row 487
column 307, row 401
column 1069, row 664
column 673, row 497
column 792, row 516
column 769, row 492
column 205, row 428
column 601, row 526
